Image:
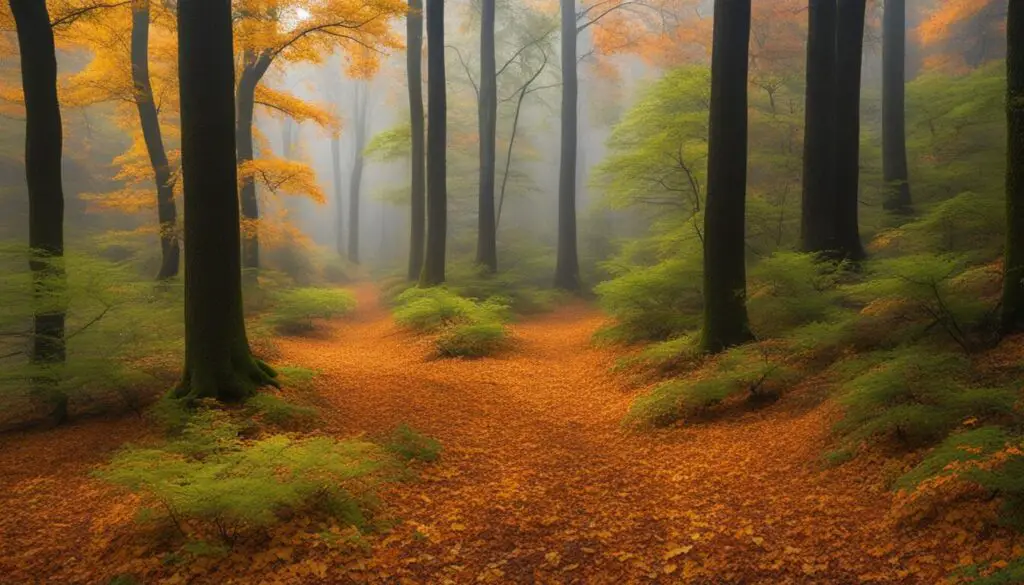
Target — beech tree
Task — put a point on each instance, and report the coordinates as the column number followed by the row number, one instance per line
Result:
column 894, row 132
column 567, row 269
column 849, row 55
column 725, row 308
column 817, row 229
column 359, row 122
column 437, row 141
column 43, row 152
column 417, row 191
column 486, row 245
column 218, row 361
column 1013, row 261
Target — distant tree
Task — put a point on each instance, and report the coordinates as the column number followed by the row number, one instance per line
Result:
column 359, row 123
column 894, row 125
column 414, row 56
column 817, row 228
column 218, row 361
column 167, row 211
column 437, row 142
column 849, row 55
column 43, row 151
column 567, row 270
column 725, row 309
column 486, row 245
column 1013, row 262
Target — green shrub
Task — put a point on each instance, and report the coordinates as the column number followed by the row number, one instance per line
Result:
column 293, row 311
column 279, row 412
column 211, row 482
column 430, row 309
column 464, row 327
column 970, row 445
column 1011, row 574
column 295, row 377
column 408, row 444
column 472, row 339
column 789, row 289
column 474, row 282
column 664, row 357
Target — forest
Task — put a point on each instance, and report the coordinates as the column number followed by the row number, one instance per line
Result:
column 512, row 291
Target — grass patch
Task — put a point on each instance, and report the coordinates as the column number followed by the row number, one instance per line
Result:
column 294, row 311
column 409, row 444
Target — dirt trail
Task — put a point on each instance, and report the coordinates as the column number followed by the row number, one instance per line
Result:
column 538, row 482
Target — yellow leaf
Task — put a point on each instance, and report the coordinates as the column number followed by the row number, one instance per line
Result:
column 669, row 569
column 682, row 550
column 458, row 527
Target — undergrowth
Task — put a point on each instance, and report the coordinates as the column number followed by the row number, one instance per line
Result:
column 462, row 326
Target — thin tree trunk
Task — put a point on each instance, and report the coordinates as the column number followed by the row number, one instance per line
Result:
column 253, row 68
column 894, row 133
column 1013, row 262
column 567, row 268
column 43, row 151
column 437, row 140
column 339, row 207
column 167, row 211
column 849, row 56
column 417, row 191
column 486, row 243
column 356, row 180
column 725, row 309
column 218, row 361
column 817, row 230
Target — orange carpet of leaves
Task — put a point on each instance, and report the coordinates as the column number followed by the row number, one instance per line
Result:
column 538, row 483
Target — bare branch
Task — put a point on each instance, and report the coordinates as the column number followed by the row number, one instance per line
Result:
column 465, row 67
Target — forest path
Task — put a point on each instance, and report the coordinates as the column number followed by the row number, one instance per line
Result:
column 539, row 483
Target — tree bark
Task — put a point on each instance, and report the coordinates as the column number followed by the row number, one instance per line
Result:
column 356, row 179
column 437, row 111
column 894, row 133
column 43, row 151
column 849, row 57
column 253, row 68
column 1013, row 262
column 567, row 269
column 725, row 309
column 339, row 204
column 167, row 211
column 817, row 228
column 417, row 191
column 487, row 238
column 218, row 361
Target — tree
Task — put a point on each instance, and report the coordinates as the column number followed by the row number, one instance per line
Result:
column 894, row 132
column 1013, row 262
column 218, row 361
column 437, row 139
column 849, row 55
column 167, row 211
column 817, row 227
column 567, row 271
column 360, row 97
column 414, row 62
column 487, row 245
column 339, row 213
column 43, row 151
column 725, row 308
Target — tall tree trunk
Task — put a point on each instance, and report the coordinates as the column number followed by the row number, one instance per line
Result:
column 43, row 149
column 356, row 180
column 817, row 229
column 567, row 267
column 417, row 191
column 894, row 132
column 339, row 207
column 1013, row 262
column 218, row 361
column 487, row 237
column 167, row 211
column 849, row 57
column 437, row 140
column 253, row 68
column 725, row 308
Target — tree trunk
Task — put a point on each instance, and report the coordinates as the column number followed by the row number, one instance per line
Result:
column 567, row 267
column 1013, row 262
column 487, row 238
column 817, row 229
column 356, row 180
column 894, row 137
column 849, row 56
column 725, row 309
column 339, row 207
column 253, row 69
column 167, row 211
column 437, row 140
column 43, row 150
column 417, row 191
column 218, row 361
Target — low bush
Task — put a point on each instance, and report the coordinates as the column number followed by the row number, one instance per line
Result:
column 960, row 447
column 294, row 311
column 472, row 281
column 463, row 327
column 279, row 412
column 665, row 357
column 472, row 339
column 789, row 289
column 653, row 303
column 409, row 444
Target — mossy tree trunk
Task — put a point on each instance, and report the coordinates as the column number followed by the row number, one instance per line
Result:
column 437, row 141
column 1013, row 262
column 849, row 58
column 487, row 238
column 567, row 267
column 725, row 309
column 167, row 211
column 894, row 119
column 417, row 191
column 43, row 151
column 817, row 229
column 218, row 361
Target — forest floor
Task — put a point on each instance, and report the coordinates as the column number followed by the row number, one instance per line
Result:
column 538, row 482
